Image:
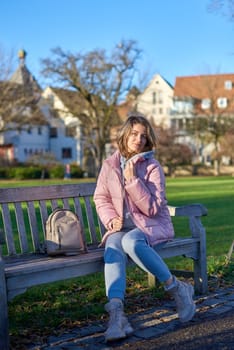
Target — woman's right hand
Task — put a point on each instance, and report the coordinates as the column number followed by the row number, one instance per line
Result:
column 115, row 224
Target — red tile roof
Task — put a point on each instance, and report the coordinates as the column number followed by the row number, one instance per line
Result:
column 204, row 86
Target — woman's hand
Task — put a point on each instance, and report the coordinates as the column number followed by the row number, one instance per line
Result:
column 115, row 224
column 129, row 171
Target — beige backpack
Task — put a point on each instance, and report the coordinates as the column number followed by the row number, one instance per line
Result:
column 64, row 233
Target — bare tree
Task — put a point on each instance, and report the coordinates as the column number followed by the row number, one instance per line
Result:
column 6, row 64
column 171, row 153
column 226, row 148
column 216, row 120
column 101, row 80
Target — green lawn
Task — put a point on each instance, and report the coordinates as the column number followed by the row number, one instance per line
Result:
column 217, row 195
column 52, row 308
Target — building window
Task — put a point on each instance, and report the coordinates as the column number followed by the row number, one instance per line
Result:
column 180, row 124
column 222, row 102
column 160, row 97
column 228, row 85
column 173, row 123
column 70, row 132
column 53, row 132
column 205, row 103
column 154, row 98
column 39, row 130
column 66, row 153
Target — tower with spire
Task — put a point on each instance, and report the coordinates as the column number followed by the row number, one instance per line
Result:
column 23, row 76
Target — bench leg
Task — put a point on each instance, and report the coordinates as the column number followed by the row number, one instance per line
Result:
column 4, row 331
column 200, row 264
column 200, row 277
column 200, row 268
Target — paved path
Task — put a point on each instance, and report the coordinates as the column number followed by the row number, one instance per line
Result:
column 212, row 328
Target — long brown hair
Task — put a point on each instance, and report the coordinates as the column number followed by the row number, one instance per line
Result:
column 124, row 132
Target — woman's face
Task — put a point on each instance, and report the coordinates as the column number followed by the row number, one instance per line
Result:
column 137, row 139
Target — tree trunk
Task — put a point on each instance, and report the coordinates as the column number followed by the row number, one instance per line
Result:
column 216, row 167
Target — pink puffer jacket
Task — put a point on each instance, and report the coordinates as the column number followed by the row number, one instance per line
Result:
column 145, row 195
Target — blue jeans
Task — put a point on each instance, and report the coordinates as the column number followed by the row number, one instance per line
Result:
column 132, row 243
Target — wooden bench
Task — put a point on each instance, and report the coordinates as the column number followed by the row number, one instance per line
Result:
column 23, row 213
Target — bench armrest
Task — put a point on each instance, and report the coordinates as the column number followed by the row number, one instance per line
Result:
column 194, row 212
column 188, row 210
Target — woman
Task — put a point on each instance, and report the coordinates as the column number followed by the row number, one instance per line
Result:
column 131, row 203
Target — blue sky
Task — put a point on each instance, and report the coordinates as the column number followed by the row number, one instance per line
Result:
column 178, row 37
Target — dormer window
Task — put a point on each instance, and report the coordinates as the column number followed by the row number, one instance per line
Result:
column 222, row 102
column 205, row 103
column 228, row 85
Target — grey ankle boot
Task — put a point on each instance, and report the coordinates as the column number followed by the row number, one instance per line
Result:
column 183, row 294
column 118, row 326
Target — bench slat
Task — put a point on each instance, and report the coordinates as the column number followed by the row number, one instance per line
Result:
column 21, row 227
column 8, row 229
column 101, row 227
column 66, row 204
column 44, row 214
column 20, row 194
column 33, row 226
column 78, row 210
column 90, row 218
column 54, row 204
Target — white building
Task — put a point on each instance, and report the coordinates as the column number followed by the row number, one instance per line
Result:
column 65, row 139
column 156, row 101
column 49, row 128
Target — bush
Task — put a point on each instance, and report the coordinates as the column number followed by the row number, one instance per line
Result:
column 3, row 173
column 76, row 171
column 56, row 172
column 25, row 173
